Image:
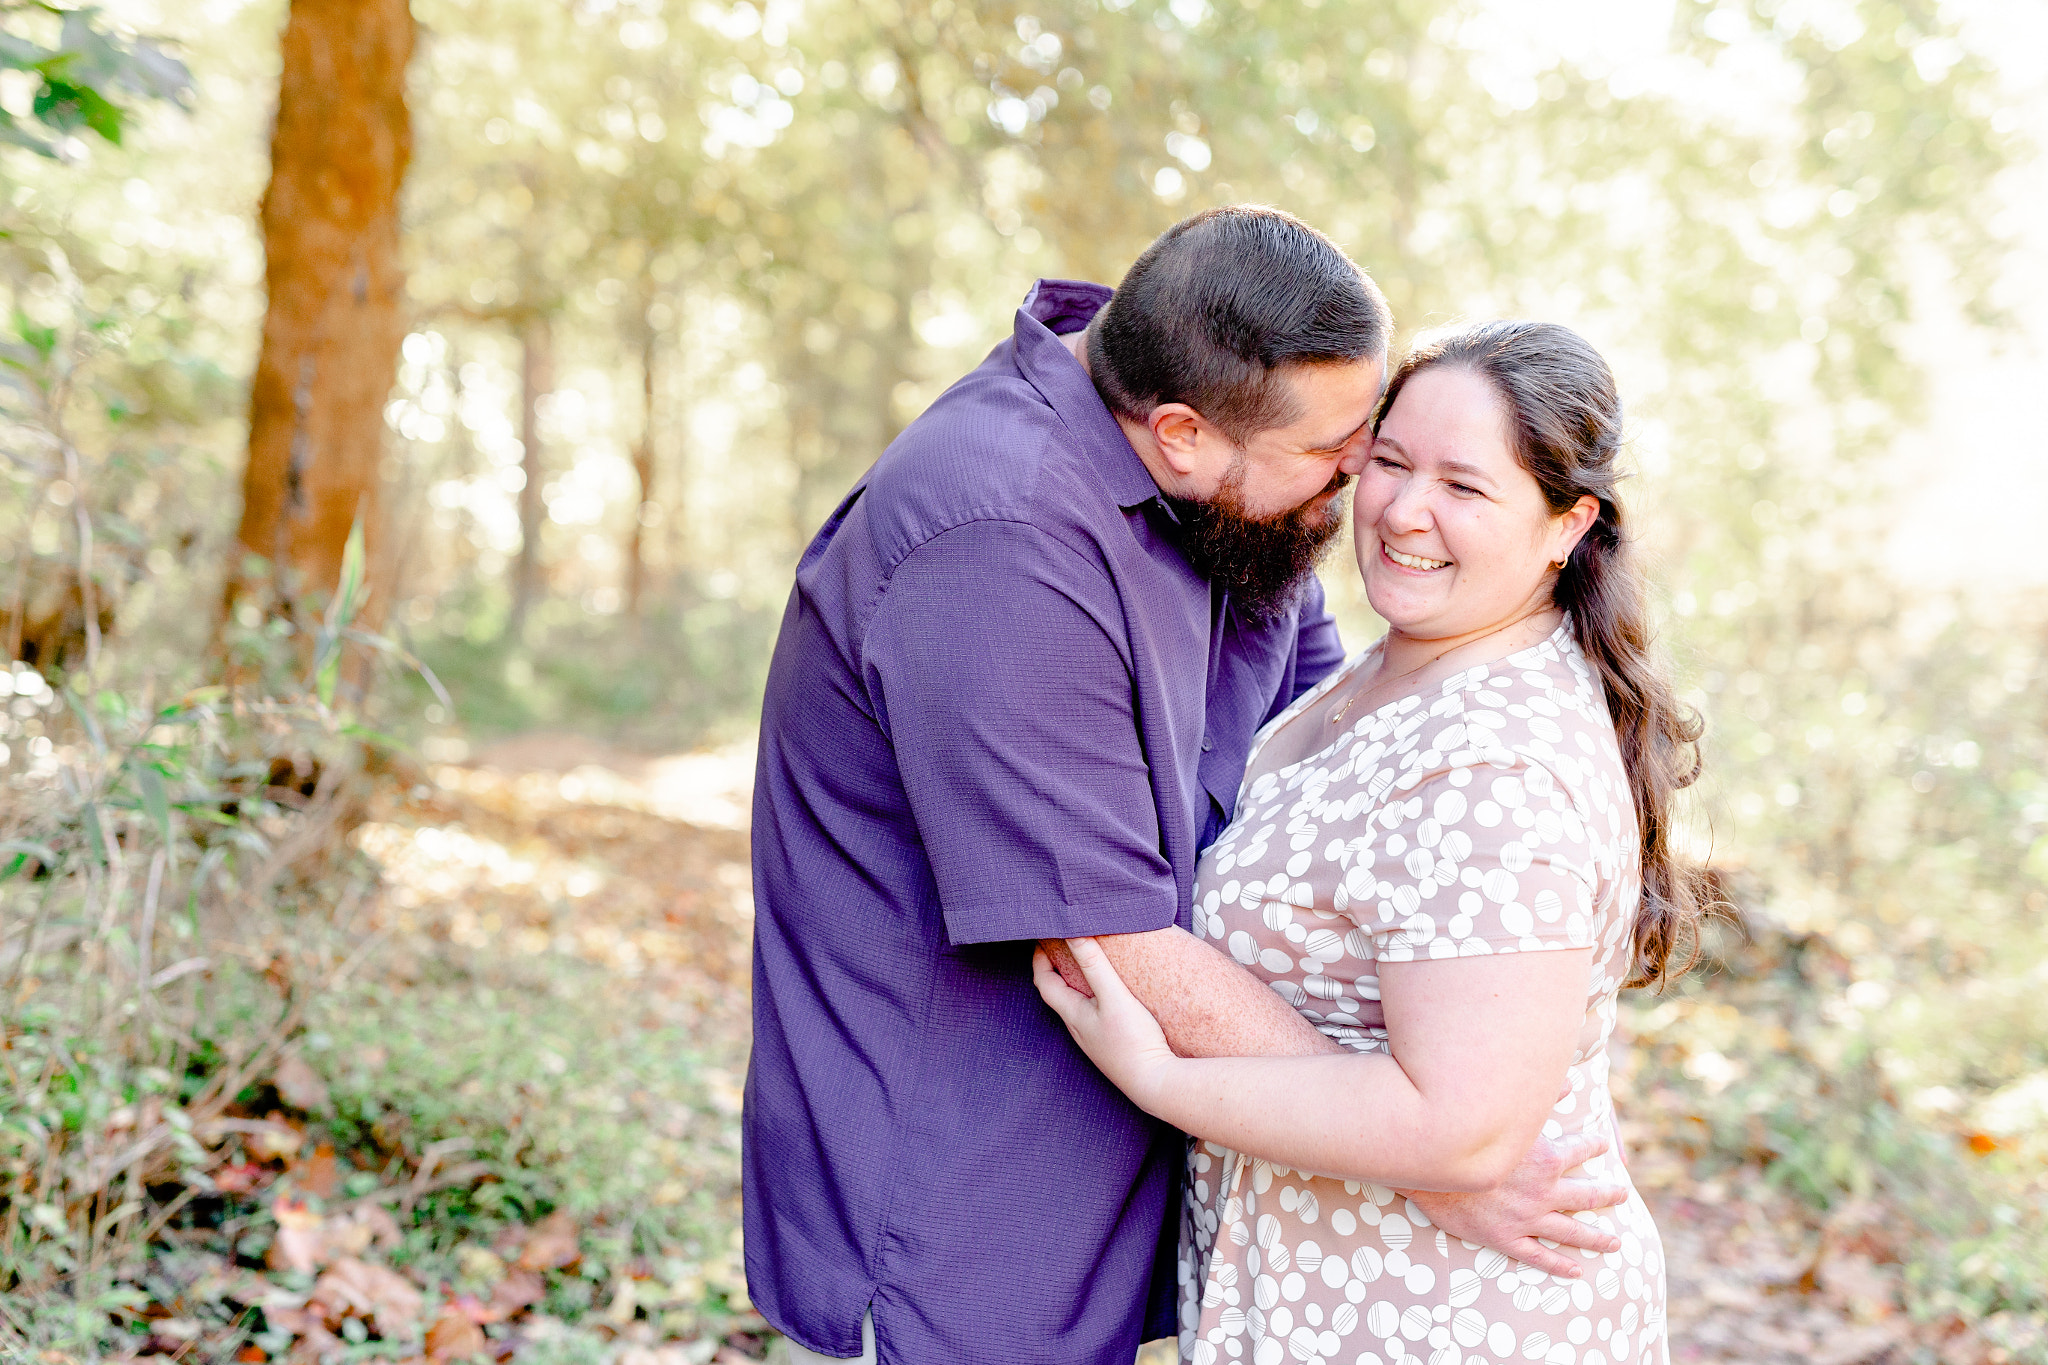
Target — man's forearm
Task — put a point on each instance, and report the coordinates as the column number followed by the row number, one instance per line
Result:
column 1207, row 1004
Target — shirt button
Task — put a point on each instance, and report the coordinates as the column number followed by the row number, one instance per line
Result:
column 1207, row 745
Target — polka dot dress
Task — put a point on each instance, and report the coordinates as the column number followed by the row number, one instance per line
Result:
column 1490, row 814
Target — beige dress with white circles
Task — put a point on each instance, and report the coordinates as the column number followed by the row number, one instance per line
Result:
column 1489, row 815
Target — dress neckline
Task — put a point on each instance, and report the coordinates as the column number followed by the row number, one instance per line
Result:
column 1560, row 636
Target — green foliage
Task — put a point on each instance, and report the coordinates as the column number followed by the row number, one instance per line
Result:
column 80, row 74
column 563, row 1103
column 144, row 834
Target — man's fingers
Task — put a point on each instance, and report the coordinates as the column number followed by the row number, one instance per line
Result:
column 1529, row 1251
column 1584, row 1196
column 1573, row 1233
column 1580, row 1148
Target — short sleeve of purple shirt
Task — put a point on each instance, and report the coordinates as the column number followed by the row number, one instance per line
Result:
column 1035, row 809
column 1002, row 707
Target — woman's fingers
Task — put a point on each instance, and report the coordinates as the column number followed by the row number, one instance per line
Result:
column 1052, row 987
column 1096, row 966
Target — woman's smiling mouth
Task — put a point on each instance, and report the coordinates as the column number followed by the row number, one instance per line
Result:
column 1416, row 562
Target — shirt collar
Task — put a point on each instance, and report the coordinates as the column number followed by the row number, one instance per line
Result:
column 1051, row 310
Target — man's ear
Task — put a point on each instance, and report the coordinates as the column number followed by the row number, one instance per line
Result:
column 1186, row 441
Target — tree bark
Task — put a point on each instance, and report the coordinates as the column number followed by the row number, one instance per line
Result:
column 536, row 378
column 643, row 470
column 334, row 322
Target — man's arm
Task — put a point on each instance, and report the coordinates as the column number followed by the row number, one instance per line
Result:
column 1206, row 1004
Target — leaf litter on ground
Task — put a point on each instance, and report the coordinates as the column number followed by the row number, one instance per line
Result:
column 341, row 1215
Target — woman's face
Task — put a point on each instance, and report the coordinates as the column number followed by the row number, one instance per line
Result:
column 1453, row 535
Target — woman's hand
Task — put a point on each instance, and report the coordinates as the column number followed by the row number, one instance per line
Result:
column 1116, row 1031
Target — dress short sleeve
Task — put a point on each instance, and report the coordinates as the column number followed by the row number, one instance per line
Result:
column 1478, row 858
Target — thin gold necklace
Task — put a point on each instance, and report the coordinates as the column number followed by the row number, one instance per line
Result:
column 1338, row 714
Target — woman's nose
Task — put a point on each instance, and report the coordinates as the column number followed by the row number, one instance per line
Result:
column 1409, row 508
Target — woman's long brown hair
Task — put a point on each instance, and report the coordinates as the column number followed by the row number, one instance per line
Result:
column 1565, row 417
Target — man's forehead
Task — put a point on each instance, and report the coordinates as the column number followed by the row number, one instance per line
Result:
column 1333, row 400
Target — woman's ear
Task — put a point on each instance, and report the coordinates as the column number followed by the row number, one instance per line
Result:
column 1572, row 525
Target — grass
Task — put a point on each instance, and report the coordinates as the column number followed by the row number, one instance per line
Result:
column 267, row 1097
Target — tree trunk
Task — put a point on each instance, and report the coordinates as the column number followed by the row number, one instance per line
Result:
column 334, row 322
column 643, row 469
column 536, row 378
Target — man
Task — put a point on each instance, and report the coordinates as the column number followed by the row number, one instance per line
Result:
column 1011, row 701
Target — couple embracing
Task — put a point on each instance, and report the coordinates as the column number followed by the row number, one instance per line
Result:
column 1131, row 963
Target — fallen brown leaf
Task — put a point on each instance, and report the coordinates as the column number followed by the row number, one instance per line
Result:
column 370, row 1291
column 298, row 1085
column 318, row 1174
column 239, row 1179
column 300, row 1244
column 519, row 1289
column 552, row 1244
column 453, row 1337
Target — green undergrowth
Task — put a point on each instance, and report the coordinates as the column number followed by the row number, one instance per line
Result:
column 466, row 1114
column 240, row 1120
column 1769, row 1059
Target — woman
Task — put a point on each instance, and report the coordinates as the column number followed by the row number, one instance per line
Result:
column 1466, row 828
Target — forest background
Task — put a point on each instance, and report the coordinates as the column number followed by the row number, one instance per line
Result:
column 387, row 629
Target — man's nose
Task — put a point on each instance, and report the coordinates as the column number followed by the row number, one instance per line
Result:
column 1352, row 461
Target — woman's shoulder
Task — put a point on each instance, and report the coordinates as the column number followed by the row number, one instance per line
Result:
column 1541, row 704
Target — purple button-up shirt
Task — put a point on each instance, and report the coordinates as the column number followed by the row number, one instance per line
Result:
column 1002, row 708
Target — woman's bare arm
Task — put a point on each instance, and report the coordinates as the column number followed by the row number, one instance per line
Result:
column 1480, row 1048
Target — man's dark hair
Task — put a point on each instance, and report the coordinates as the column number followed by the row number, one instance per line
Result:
column 1215, row 311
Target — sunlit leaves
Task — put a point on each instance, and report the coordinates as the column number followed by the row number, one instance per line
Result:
column 80, row 75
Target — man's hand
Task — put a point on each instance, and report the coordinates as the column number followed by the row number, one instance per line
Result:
column 1537, row 1200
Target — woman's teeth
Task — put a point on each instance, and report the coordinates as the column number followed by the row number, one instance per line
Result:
column 1413, row 561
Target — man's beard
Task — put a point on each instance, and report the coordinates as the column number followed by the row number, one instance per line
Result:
column 1262, row 561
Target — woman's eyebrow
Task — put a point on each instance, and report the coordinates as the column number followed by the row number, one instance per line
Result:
column 1469, row 471
column 1390, row 441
